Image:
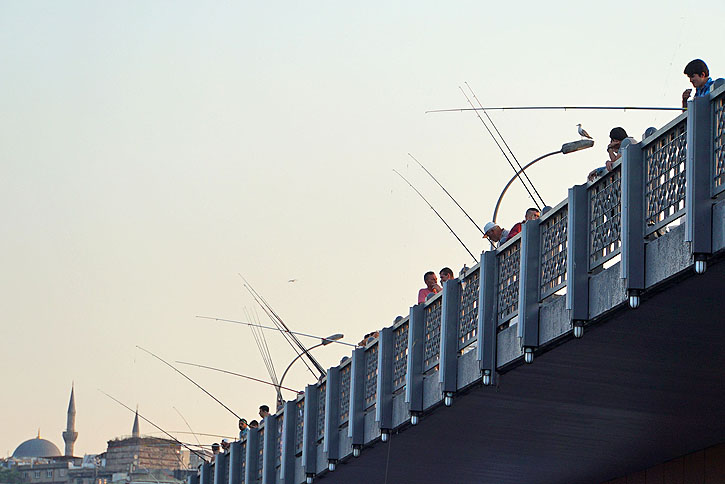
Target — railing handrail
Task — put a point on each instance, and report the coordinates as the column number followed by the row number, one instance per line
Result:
column 508, row 243
column 544, row 217
column 663, row 130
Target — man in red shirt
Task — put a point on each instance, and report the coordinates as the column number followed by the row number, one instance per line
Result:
column 531, row 214
column 431, row 286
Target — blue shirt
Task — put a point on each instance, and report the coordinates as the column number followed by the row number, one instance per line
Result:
column 705, row 89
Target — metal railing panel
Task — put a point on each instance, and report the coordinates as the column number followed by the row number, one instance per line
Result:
column 299, row 430
column 508, row 261
column 605, row 215
column 554, row 232
column 400, row 354
column 321, row 402
column 371, row 374
column 243, row 467
column 345, row 393
column 718, row 149
column 468, row 317
column 664, row 155
column 432, row 331
column 278, row 448
column 260, row 454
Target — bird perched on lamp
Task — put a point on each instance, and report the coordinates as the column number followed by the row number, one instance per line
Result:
column 582, row 132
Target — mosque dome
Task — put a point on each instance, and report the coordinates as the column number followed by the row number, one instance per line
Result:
column 37, row 448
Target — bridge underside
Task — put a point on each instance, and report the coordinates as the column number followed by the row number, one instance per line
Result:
column 642, row 387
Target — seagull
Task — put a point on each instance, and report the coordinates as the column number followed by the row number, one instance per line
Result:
column 583, row 132
column 292, row 281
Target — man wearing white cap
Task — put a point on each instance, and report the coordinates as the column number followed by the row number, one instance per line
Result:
column 494, row 233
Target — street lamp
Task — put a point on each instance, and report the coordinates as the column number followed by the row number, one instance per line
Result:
column 566, row 148
column 323, row 342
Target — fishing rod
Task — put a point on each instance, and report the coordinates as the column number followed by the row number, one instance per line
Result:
column 436, row 212
column 149, row 421
column 187, row 424
column 277, row 329
column 499, row 146
column 302, row 347
column 236, row 374
column 192, row 381
column 200, row 433
column 451, row 196
column 261, row 341
column 271, row 315
column 565, row 108
column 543, row 203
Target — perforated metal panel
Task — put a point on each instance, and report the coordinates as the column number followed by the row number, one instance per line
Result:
column 300, row 426
column 719, row 145
column 605, row 211
column 278, row 447
column 400, row 358
column 260, row 454
column 553, row 252
column 321, row 411
column 371, row 375
column 468, row 318
column 344, row 394
column 227, row 463
column 432, row 334
column 664, row 160
column 243, row 467
column 508, row 281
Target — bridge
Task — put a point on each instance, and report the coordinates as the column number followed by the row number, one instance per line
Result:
column 585, row 349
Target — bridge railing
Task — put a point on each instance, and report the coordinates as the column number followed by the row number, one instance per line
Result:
column 468, row 308
column 654, row 185
column 718, row 147
column 553, row 251
column 432, row 331
column 508, row 259
column 605, row 218
column 664, row 155
column 344, row 398
column 400, row 353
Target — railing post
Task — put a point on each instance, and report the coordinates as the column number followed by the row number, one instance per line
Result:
column 331, row 443
column 269, row 456
column 487, row 318
column 529, row 289
column 219, row 467
column 699, row 174
column 309, row 431
column 356, row 424
column 577, row 258
column 287, row 466
column 450, row 312
column 414, row 375
column 384, row 396
column 235, row 463
column 205, row 474
column 633, row 263
column 250, row 469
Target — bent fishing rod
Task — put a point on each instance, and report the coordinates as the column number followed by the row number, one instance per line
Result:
column 436, row 212
column 289, row 336
column 156, row 426
column 192, row 381
column 499, row 146
column 236, row 374
column 446, row 191
column 543, row 203
column 277, row 329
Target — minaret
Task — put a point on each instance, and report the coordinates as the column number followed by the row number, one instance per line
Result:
column 70, row 435
column 134, row 432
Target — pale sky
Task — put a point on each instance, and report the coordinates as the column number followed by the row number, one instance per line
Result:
column 151, row 151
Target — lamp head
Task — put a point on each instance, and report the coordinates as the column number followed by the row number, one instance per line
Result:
column 579, row 145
